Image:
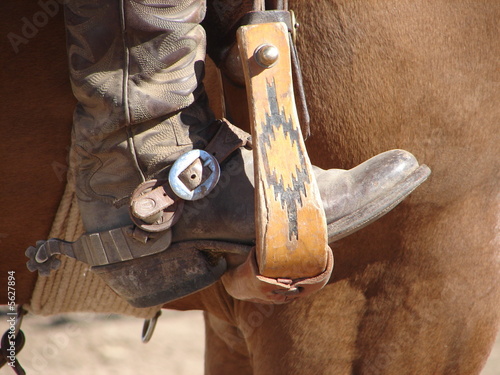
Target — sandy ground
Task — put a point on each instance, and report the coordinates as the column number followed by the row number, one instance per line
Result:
column 89, row 344
column 84, row 344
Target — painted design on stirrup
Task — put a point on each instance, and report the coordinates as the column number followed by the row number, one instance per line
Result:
column 288, row 189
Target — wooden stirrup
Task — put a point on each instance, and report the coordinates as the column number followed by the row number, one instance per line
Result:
column 290, row 220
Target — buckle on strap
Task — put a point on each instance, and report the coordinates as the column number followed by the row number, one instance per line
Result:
column 157, row 205
column 185, row 174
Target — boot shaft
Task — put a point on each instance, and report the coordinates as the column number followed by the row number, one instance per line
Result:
column 131, row 62
column 136, row 71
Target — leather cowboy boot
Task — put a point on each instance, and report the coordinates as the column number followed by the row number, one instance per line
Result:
column 136, row 70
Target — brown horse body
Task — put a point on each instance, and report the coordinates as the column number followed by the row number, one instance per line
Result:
column 416, row 292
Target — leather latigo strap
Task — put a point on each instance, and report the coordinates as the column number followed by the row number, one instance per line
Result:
column 227, row 140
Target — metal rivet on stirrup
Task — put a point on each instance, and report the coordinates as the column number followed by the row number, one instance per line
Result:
column 267, row 55
column 208, row 161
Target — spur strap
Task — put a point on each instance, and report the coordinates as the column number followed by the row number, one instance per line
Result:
column 146, row 237
column 156, row 205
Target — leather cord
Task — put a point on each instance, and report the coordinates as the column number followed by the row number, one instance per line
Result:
column 276, row 4
column 298, row 87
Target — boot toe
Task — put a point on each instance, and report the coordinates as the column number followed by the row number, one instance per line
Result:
column 378, row 175
column 352, row 199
